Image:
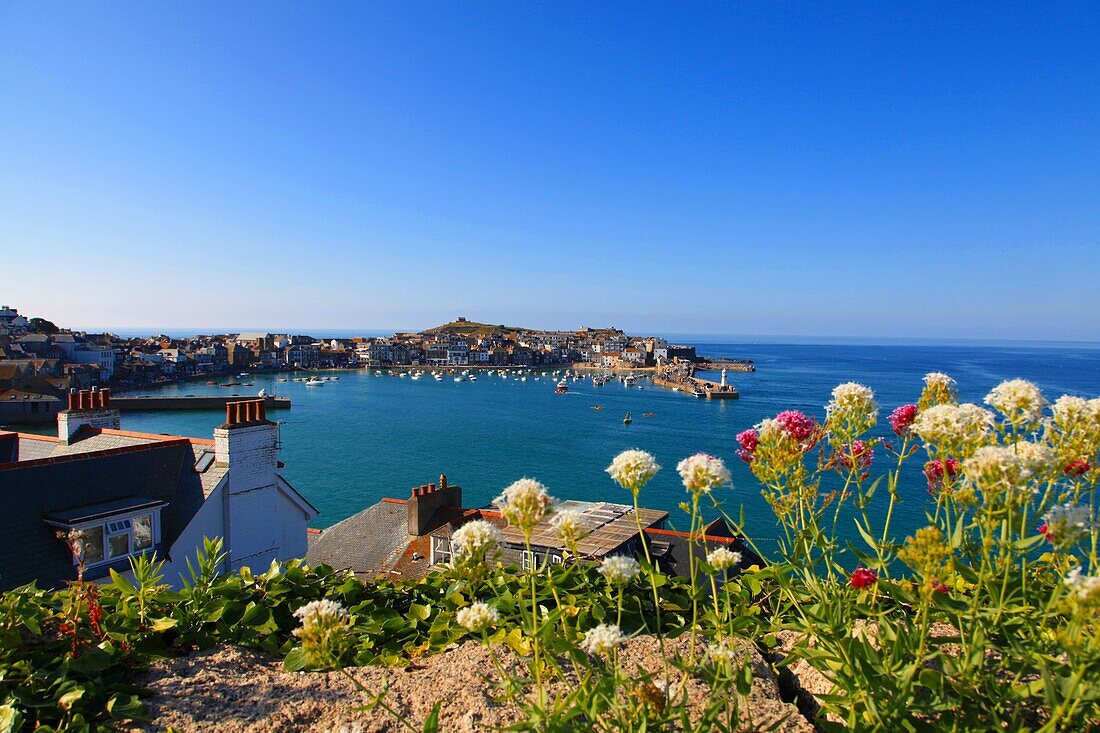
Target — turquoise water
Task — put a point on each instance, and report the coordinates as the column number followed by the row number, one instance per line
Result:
column 353, row 441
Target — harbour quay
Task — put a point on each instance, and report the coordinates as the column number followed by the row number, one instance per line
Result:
column 191, row 402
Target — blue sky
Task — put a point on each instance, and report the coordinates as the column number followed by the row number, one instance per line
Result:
column 853, row 169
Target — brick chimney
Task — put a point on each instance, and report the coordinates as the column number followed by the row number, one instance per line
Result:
column 87, row 407
column 245, row 446
column 426, row 500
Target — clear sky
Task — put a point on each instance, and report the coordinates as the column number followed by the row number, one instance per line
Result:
column 855, row 169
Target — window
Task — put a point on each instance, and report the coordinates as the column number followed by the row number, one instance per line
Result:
column 440, row 550
column 112, row 539
column 93, row 545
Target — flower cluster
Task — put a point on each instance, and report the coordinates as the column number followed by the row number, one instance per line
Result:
column 477, row 617
column 857, row 455
column 1019, row 400
column 928, row 553
column 323, row 632
column 475, row 543
column 939, row 389
column 603, row 639
column 901, row 419
column 1078, row 467
column 940, row 473
column 863, row 578
column 702, row 473
column 525, row 503
column 571, row 527
column 618, row 570
column 1075, row 432
column 799, row 426
column 723, row 559
column 852, row 411
column 748, row 440
column 1000, row 472
column 955, row 428
column 1064, row 525
column 632, row 469
column 722, row 653
column 1085, row 588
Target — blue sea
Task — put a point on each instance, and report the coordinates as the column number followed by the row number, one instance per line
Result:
column 350, row 443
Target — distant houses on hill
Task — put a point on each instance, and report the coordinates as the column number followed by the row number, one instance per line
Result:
column 37, row 369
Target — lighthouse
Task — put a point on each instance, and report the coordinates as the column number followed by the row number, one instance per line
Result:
column 724, row 384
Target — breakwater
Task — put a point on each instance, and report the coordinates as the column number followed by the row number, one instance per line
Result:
column 696, row 387
column 191, row 402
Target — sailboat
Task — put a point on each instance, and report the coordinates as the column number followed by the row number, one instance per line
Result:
column 628, row 419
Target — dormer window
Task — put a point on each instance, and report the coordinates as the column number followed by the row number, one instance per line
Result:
column 114, row 530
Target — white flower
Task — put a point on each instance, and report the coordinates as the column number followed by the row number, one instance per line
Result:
column 1038, row 458
column 1019, row 400
column 939, row 389
column 1085, row 587
column 477, row 617
column 939, row 379
column 570, row 526
column 702, row 474
column 853, row 409
column 320, row 614
column 1069, row 410
column 996, row 469
column 953, row 425
column 619, row 569
column 632, row 469
column 1066, row 524
column 722, row 653
column 604, row 639
column 476, row 541
column 525, row 503
column 723, row 559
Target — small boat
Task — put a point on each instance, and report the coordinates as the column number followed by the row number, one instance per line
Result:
column 247, row 384
column 213, row 382
column 597, row 408
column 243, row 374
column 460, row 378
column 628, row 419
column 315, row 382
column 649, row 414
column 473, row 377
column 229, row 384
column 562, row 387
column 282, row 379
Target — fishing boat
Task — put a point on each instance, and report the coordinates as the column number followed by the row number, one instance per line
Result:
column 628, row 419
column 562, row 387
column 630, row 380
column 315, row 382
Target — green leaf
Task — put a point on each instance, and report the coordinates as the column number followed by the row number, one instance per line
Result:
column 295, row 660
column 125, row 586
column 164, row 623
column 431, row 724
column 418, row 611
column 126, row 707
column 67, row 700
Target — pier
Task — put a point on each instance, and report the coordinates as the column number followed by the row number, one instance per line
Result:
column 684, row 380
column 192, row 402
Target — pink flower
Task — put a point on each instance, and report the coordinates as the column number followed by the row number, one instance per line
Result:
column 901, row 418
column 936, row 471
column 797, row 425
column 863, row 578
column 862, row 452
column 748, row 440
column 1076, row 468
column 1047, row 532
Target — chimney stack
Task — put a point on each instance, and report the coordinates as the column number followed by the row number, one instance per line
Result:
column 87, row 407
column 428, row 499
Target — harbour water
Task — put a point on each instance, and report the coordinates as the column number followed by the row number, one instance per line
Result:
column 353, row 441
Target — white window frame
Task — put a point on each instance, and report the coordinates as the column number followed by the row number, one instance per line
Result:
column 123, row 524
column 439, row 550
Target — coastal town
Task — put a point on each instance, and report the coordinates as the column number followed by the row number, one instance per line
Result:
column 41, row 362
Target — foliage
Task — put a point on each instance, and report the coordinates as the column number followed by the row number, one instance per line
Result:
column 984, row 618
column 41, row 325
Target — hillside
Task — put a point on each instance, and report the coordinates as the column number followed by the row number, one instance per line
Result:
column 473, row 328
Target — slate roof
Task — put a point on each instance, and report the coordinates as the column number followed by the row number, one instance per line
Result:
column 39, row 476
column 369, row 543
